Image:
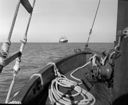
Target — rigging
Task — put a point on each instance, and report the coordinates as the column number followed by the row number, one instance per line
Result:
column 93, row 23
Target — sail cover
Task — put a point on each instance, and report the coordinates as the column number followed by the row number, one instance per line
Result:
column 27, row 5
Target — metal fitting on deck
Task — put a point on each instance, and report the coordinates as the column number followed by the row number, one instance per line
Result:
column 125, row 32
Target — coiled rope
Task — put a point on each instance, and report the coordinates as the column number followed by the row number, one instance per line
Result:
column 59, row 98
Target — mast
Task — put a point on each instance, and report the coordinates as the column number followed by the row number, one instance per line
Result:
column 121, row 64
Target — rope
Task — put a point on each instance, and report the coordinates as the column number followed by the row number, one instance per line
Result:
column 38, row 75
column 59, row 98
column 16, row 69
column 55, row 68
column 116, row 50
column 10, row 89
column 90, row 32
column 71, row 75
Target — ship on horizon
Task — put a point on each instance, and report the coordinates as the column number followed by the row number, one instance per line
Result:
column 63, row 40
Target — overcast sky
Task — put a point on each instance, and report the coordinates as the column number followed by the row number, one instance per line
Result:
column 55, row 18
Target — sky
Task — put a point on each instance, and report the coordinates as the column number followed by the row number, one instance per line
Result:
column 55, row 18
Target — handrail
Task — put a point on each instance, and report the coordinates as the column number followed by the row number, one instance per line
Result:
column 18, row 55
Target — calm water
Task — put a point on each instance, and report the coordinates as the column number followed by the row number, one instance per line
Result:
column 35, row 57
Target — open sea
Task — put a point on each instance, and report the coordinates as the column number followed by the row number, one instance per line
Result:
column 36, row 56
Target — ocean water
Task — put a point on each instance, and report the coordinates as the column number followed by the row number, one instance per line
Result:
column 36, row 56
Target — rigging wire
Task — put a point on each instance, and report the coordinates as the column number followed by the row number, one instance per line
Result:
column 93, row 23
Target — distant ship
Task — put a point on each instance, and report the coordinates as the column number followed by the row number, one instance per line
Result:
column 63, row 40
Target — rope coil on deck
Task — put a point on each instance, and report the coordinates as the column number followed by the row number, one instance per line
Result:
column 59, row 98
column 103, row 71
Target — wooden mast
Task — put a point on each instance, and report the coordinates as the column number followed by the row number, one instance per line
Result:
column 121, row 64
